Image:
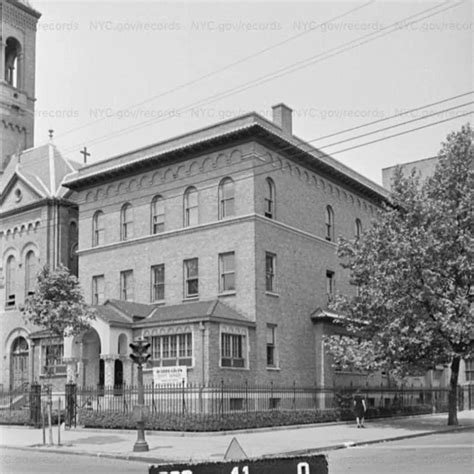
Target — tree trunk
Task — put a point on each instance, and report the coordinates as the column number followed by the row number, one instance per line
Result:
column 453, row 392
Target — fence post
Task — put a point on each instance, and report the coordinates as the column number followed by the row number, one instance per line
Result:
column 35, row 404
column 294, row 395
column 222, row 397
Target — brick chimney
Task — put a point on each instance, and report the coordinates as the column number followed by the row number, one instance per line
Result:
column 282, row 117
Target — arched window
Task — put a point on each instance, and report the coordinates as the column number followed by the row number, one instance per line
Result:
column 358, row 228
column 12, row 57
column 157, row 215
column 329, row 223
column 126, row 222
column 10, row 282
column 226, row 198
column 191, row 207
column 30, row 272
column 269, row 198
column 98, row 229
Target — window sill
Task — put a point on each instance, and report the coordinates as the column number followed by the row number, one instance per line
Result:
column 271, row 293
column 233, row 368
column 227, row 293
column 11, row 308
column 191, row 298
column 273, row 368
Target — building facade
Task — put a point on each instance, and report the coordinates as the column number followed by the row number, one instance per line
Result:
column 219, row 246
column 38, row 220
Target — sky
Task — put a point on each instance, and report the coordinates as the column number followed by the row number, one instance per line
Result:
column 185, row 65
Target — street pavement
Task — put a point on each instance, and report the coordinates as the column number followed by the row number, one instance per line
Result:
column 185, row 447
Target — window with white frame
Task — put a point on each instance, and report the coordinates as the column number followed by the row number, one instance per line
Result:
column 191, row 278
column 269, row 198
column 271, row 345
column 30, row 272
column 172, row 349
column 232, row 350
column 98, row 286
column 10, row 282
column 191, row 207
column 226, row 272
column 52, row 353
column 126, row 221
column 98, row 229
column 157, row 215
column 158, row 282
column 127, row 285
column 329, row 224
column 270, row 269
column 226, row 198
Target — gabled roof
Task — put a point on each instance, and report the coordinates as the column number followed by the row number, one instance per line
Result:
column 43, row 168
column 247, row 127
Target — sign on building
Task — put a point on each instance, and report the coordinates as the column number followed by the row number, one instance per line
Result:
column 170, row 376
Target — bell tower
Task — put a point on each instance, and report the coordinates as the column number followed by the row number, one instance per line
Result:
column 17, row 77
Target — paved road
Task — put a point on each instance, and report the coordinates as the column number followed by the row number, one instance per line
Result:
column 451, row 453
column 14, row 461
column 435, row 454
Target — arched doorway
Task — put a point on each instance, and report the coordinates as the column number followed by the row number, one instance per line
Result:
column 19, row 356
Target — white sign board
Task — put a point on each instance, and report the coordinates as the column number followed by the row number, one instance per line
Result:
column 170, row 376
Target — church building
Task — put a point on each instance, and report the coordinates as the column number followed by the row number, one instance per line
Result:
column 38, row 219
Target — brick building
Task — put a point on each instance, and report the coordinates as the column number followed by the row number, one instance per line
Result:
column 219, row 246
column 38, row 220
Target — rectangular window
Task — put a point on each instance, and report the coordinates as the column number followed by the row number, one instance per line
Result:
column 330, row 285
column 98, row 284
column 232, row 350
column 227, row 272
column 175, row 349
column 469, row 370
column 126, row 285
column 270, row 263
column 52, row 358
column 191, row 278
column 271, row 345
column 158, row 282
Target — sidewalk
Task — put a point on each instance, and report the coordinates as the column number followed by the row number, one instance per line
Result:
column 173, row 447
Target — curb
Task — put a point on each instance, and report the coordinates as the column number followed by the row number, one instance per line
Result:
column 324, row 449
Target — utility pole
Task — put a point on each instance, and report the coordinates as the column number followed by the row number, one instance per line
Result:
column 140, row 356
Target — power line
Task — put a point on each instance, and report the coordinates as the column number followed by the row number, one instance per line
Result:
column 402, row 133
column 223, row 68
column 416, row 109
column 396, row 125
column 314, row 59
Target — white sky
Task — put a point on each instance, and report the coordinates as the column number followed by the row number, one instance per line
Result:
column 94, row 59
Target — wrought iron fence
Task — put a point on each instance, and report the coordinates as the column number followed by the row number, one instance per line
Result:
column 217, row 400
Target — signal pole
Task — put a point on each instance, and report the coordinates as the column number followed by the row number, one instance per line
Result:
column 140, row 356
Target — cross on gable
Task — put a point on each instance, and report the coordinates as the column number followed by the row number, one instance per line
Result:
column 85, row 154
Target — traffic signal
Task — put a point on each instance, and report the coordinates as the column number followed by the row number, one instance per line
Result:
column 140, row 351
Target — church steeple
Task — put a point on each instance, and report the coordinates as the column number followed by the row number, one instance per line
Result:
column 17, row 77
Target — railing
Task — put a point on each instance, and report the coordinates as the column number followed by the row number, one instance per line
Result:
column 221, row 398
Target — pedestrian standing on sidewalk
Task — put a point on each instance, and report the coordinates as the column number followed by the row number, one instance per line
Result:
column 359, row 408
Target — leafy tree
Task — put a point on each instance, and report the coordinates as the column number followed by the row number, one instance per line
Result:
column 57, row 303
column 414, row 272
